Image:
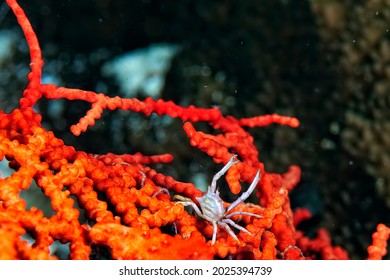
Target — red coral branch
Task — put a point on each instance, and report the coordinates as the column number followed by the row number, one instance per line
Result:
column 378, row 249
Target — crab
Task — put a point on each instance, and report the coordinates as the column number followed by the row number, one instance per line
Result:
column 212, row 207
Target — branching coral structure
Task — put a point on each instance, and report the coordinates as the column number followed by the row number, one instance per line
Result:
column 129, row 207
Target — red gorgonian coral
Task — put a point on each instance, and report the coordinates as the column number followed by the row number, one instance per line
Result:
column 127, row 203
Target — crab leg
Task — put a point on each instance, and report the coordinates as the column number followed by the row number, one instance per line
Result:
column 246, row 194
column 215, row 229
column 190, row 203
column 236, row 226
column 243, row 213
column 228, row 230
column 219, row 174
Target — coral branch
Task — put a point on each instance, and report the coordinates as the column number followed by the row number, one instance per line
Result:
column 268, row 120
column 31, row 93
column 378, row 249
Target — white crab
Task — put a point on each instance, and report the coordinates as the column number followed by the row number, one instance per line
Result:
column 212, row 206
